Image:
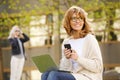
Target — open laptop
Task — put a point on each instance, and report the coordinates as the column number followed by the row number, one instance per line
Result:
column 44, row 62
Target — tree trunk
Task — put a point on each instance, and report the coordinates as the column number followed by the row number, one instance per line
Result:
column 110, row 15
column 1, row 65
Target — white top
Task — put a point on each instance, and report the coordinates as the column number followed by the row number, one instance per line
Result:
column 89, row 59
column 76, row 44
column 21, row 55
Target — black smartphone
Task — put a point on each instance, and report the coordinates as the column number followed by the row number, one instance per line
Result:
column 68, row 46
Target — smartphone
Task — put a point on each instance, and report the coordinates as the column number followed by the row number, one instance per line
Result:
column 68, row 46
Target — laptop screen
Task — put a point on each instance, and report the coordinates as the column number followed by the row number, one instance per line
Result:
column 44, row 62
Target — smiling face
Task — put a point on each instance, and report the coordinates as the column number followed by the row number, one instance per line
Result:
column 76, row 22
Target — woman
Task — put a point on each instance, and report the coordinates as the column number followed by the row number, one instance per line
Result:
column 16, row 39
column 83, row 61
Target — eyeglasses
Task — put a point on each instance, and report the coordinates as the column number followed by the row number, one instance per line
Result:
column 17, row 30
column 75, row 19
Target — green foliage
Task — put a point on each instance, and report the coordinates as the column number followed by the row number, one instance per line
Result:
column 20, row 11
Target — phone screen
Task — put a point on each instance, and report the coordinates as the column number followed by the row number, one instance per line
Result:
column 68, row 46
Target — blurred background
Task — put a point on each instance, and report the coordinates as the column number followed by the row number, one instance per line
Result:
column 42, row 21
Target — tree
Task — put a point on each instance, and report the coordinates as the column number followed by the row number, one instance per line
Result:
column 19, row 11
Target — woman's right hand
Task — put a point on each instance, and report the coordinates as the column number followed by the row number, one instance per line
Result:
column 67, row 53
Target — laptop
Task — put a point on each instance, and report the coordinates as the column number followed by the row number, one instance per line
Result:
column 44, row 62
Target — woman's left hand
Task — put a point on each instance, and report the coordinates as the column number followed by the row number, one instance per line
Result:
column 74, row 55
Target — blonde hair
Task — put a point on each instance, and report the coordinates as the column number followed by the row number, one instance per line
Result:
column 11, row 34
column 66, row 22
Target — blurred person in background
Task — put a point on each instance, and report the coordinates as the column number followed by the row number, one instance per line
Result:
column 17, row 39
